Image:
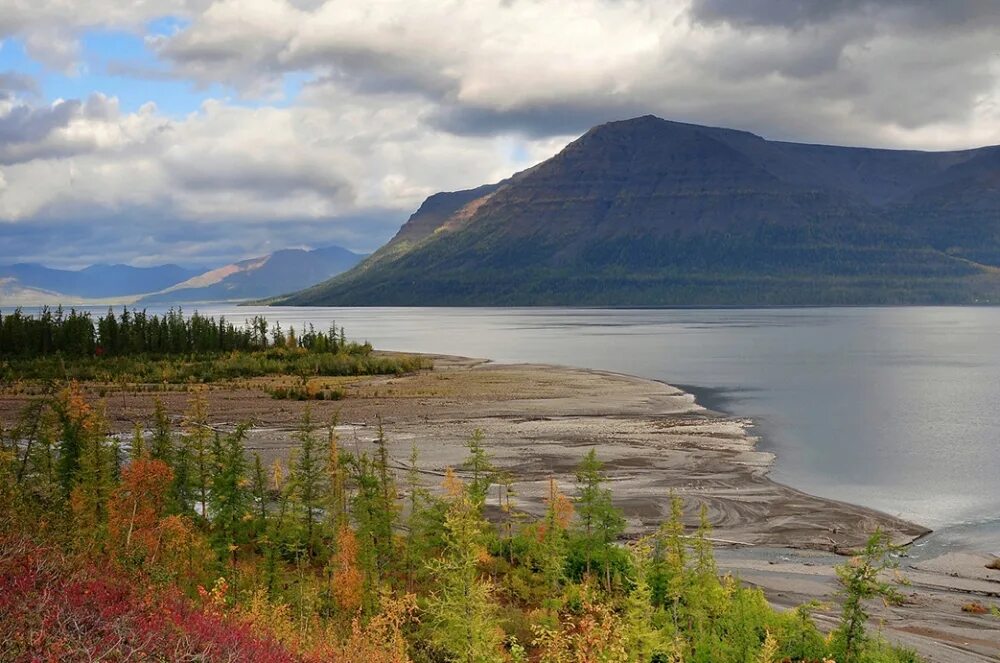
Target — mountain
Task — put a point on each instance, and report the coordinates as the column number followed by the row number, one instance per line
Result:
column 96, row 281
column 652, row 212
column 265, row 276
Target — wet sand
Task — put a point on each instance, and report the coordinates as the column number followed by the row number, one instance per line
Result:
column 655, row 440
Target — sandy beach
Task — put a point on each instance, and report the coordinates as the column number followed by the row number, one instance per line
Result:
column 539, row 420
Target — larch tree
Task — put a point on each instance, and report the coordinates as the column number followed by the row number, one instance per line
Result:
column 481, row 468
column 308, row 480
column 199, row 441
column 461, row 613
column 229, row 498
column 599, row 522
column 862, row 579
column 161, row 444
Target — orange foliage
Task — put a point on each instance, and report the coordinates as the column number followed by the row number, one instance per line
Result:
column 594, row 633
column 347, row 583
column 560, row 511
column 381, row 640
column 453, row 486
column 183, row 553
column 74, row 407
column 136, row 505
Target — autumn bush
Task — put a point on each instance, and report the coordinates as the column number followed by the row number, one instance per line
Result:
column 186, row 547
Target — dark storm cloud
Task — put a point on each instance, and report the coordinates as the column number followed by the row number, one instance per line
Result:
column 260, row 177
column 375, row 72
column 536, row 121
column 798, row 13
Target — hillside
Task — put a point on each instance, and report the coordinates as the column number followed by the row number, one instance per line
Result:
column 265, row 276
column 95, row 281
column 651, row 212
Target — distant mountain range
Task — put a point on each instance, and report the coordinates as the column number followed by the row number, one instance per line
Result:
column 274, row 274
column 97, row 281
column 652, row 212
column 265, row 276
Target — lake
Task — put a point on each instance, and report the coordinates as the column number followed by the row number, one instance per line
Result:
column 893, row 408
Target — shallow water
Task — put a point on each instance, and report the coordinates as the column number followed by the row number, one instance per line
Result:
column 894, row 408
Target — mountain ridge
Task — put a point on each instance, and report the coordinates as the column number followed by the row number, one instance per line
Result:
column 261, row 276
column 653, row 212
column 30, row 284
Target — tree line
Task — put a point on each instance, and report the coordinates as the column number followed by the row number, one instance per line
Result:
column 347, row 555
column 136, row 332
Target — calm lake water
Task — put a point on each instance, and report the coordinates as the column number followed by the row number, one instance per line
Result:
column 894, row 408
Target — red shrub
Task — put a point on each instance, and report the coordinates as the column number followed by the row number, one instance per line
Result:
column 51, row 611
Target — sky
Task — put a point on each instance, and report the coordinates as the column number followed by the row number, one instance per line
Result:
column 204, row 131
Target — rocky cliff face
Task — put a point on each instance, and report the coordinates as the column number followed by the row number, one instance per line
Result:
column 651, row 212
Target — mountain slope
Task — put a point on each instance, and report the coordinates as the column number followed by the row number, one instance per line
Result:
column 96, row 281
column 651, row 212
column 265, row 276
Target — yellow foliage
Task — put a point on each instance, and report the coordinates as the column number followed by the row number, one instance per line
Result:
column 453, row 486
column 348, row 580
column 381, row 640
column 594, row 634
column 768, row 649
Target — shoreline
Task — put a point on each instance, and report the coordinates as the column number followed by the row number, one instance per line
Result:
column 654, row 438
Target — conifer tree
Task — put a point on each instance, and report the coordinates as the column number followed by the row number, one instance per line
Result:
column 461, row 613
column 480, row 465
column 336, row 507
column 161, row 444
column 861, row 580
column 198, row 443
column 552, row 544
column 508, row 515
column 181, row 493
column 93, row 482
column 377, row 489
column 308, row 481
column 76, row 423
column 137, row 448
column 229, row 497
column 424, row 524
column 668, row 576
column 36, row 472
column 644, row 640
column 600, row 523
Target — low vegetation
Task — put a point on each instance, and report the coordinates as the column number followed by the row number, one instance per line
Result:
column 179, row 545
column 140, row 348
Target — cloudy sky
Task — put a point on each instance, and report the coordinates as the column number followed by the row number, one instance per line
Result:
column 200, row 131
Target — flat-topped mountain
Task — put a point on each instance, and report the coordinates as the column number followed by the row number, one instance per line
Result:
column 651, row 212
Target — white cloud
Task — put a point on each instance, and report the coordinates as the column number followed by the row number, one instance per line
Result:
column 407, row 98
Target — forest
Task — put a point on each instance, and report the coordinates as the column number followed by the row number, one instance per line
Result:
column 174, row 348
column 177, row 543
